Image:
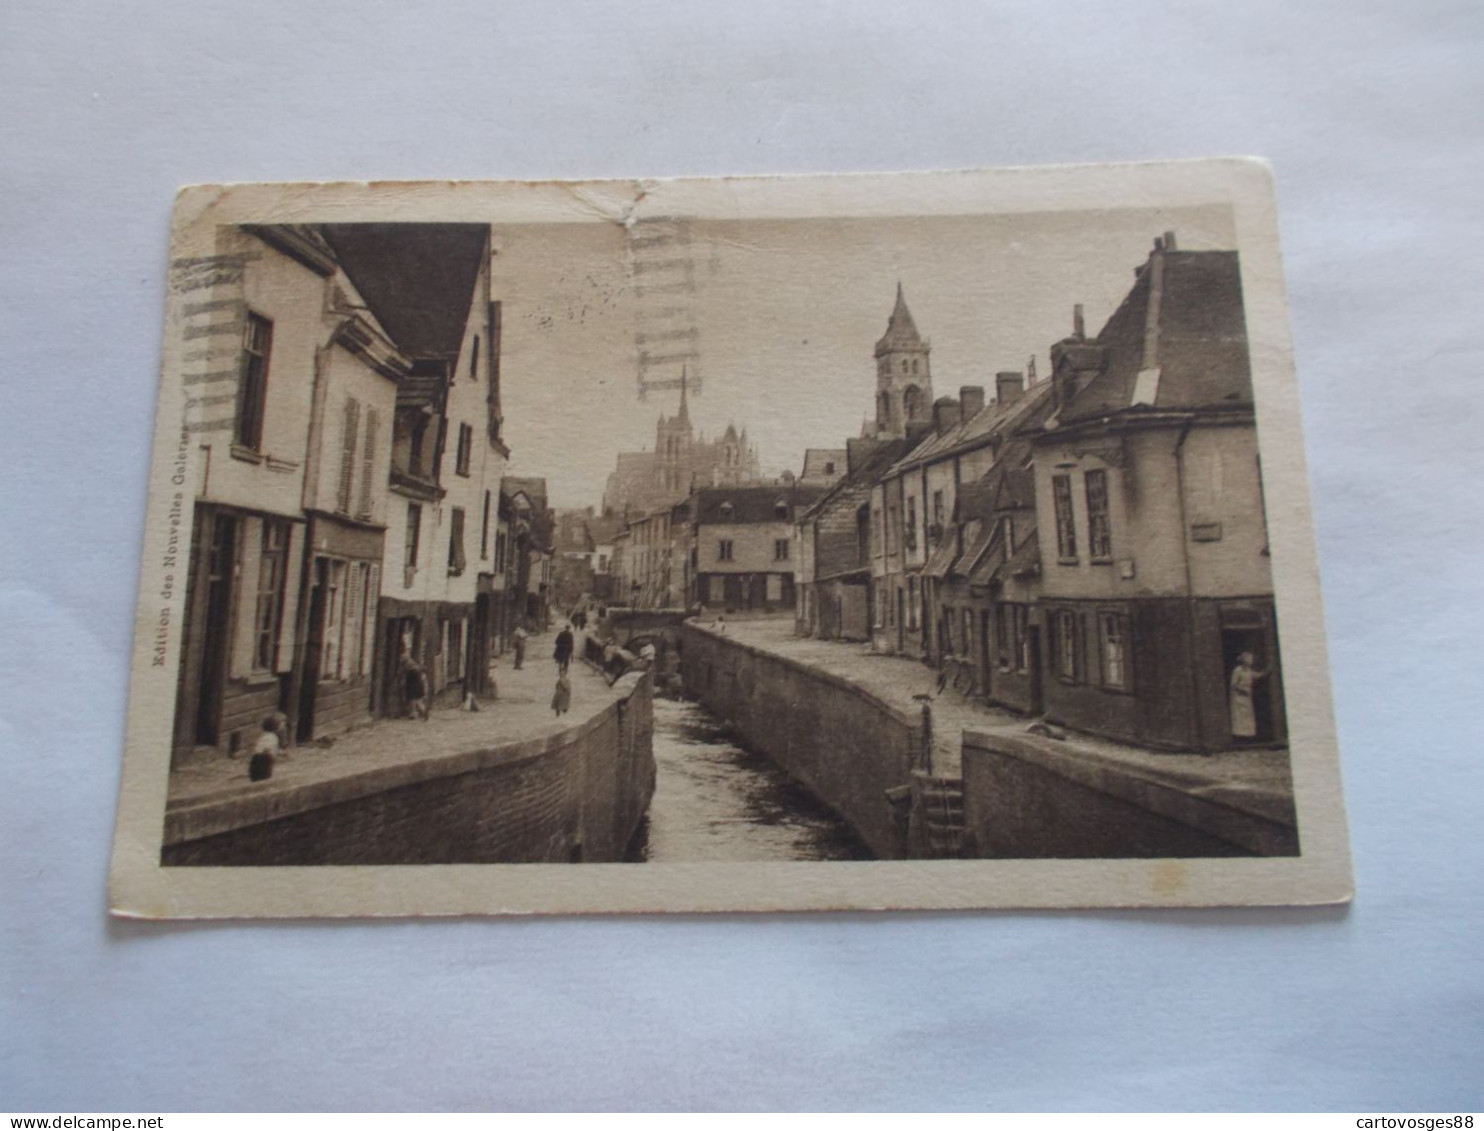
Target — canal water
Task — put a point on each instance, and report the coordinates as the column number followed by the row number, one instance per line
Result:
column 715, row 800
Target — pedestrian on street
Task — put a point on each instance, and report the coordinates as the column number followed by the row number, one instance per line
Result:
column 519, row 639
column 415, row 689
column 563, row 653
column 1243, row 684
column 561, row 699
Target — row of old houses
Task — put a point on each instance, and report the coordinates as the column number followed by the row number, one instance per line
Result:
column 351, row 512
column 1090, row 548
column 728, row 549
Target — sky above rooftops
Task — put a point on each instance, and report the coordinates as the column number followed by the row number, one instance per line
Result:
column 787, row 315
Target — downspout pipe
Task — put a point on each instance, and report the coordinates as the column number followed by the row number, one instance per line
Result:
column 1190, row 666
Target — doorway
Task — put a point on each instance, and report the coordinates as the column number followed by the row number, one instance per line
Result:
column 1033, row 662
column 1235, row 641
column 313, row 651
column 221, row 558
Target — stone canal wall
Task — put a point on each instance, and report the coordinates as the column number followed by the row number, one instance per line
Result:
column 849, row 748
column 578, row 794
column 1026, row 797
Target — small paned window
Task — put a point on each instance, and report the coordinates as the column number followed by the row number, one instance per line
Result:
column 1066, row 525
column 252, row 381
column 271, row 576
column 1067, row 666
column 1099, row 534
column 456, row 560
column 414, row 535
column 466, row 448
column 1113, row 650
column 780, row 549
column 724, row 550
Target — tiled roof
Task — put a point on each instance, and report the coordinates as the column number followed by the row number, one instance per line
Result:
column 753, row 504
column 1198, row 338
column 993, row 419
column 816, row 461
column 857, row 485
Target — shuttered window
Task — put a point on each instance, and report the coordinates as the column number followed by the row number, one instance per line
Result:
column 484, row 526
column 366, row 507
column 456, row 560
column 348, row 434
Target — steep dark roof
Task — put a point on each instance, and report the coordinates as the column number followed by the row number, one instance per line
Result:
column 993, row 420
column 418, row 279
column 1198, row 338
column 817, row 459
column 752, row 504
column 856, row 486
column 533, row 486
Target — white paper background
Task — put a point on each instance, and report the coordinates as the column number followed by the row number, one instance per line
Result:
column 1370, row 114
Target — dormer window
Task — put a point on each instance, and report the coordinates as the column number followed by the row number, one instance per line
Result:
column 780, row 510
column 726, row 511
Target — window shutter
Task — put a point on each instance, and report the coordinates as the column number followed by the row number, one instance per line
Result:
column 368, row 633
column 350, row 653
column 456, row 560
column 347, row 454
column 368, row 468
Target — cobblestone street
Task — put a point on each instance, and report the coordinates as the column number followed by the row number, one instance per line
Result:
column 521, row 711
column 1235, row 774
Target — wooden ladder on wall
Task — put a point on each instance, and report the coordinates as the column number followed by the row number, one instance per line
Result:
column 942, row 801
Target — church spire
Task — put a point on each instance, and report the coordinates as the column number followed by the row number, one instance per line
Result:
column 684, row 412
column 901, row 330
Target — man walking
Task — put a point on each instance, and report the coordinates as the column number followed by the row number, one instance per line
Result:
column 519, row 639
column 563, row 653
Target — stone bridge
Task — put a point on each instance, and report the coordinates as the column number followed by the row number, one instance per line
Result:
column 632, row 629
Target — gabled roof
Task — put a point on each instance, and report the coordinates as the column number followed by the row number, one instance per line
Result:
column 991, row 568
column 418, row 279
column 816, row 460
column 990, row 424
column 753, row 503
column 856, row 487
column 1196, row 338
column 532, row 486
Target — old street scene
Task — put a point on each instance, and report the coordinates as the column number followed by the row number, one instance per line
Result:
column 692, row 541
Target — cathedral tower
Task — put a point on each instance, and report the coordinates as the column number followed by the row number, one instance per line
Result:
column 673, row 443
column 904, row 382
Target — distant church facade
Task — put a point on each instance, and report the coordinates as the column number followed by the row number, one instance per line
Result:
column 646, row 481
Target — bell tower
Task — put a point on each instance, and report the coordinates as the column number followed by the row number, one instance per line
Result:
column 904, row 381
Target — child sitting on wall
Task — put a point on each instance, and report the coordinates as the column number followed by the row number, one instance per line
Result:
column 267, row 749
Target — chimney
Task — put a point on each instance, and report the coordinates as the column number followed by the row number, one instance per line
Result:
column 1008, row 387
column 945, row 414
column 970, row 400
column 1079, row 328
column 1170, row 241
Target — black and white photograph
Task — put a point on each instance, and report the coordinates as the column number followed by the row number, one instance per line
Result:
column 673, row 538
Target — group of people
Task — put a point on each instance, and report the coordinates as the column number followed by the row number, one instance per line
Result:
column 271, row 744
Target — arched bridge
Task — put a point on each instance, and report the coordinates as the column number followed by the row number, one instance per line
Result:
column 632, row 629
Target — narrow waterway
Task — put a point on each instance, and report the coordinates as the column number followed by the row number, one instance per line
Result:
column 715, row 800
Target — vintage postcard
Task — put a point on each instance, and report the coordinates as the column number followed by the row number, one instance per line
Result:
column 931, row 540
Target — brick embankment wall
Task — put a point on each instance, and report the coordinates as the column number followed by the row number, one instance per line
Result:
column 578, row 794
column 1025, row 798
column 847, row 747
